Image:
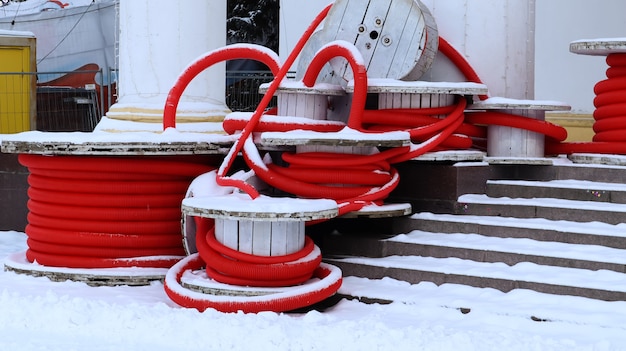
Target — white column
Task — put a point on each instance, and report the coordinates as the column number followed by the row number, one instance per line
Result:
column 158, row 39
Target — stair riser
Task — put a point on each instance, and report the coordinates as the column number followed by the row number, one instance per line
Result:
column 519, row 191
column 406, row 249
column 418, row 276
column 435, row 226
column 521, row 211
column 351, row 246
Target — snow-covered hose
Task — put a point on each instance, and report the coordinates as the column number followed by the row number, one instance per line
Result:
column 236, row 268
column 328, row 281
column 222, row 178
column 104, row 212
column 229, row 52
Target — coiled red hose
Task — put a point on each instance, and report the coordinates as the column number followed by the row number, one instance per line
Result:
column 609, row 115
column 233, row 267
column 104, row 212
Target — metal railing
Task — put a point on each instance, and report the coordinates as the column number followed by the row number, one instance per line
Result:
column 69, row 108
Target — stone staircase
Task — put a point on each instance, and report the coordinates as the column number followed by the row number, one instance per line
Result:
column 560, row 236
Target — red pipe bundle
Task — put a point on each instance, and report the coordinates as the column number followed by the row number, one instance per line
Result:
column 609, row 116
column 610, row 102
column 103, row 212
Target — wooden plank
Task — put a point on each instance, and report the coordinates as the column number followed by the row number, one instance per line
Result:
column 278, row 245
column 219, row 228
column 391, row 139
column 516, row 105
column 113, row 148
column 533, row 161
column 231, row 234
column 377, row 86
column 262, row 239
column 598, row 47
column 261, row 209
column 135, row 276
column 368, row 28
column 585, row 158
column 297, row 87
column 295, row 239
column 246, row 236
column 383, row 211
column 451, row 156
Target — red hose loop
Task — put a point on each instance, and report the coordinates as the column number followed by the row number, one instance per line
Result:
column 329, row 281
column 230, row 266
column 231, row 125
column 551, row 130
column 130, row 220
column 230, row 52
column 359, row 71
column 244, row 138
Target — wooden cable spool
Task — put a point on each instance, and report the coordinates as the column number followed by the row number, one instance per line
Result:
column 397, row 38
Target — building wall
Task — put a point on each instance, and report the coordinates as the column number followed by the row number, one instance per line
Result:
column 559, row 74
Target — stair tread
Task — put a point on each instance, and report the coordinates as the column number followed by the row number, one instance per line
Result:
column 542, row 202
column 590, row 228
column 564, row 184
column 521, row 246
column 573, row 310
column 524, row 271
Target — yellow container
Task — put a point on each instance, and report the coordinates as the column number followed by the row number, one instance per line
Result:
column 579, row 126
column 18, row 81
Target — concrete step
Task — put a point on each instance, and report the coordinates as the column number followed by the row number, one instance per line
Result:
column 601, row 285
column 569, row 189
column 510, row 251
column 548, row 208
column 539, row 229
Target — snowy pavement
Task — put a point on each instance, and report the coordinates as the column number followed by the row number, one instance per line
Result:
column 37, row 314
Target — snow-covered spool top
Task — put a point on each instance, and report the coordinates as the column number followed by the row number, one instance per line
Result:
column 265, row 226
column 598, row 47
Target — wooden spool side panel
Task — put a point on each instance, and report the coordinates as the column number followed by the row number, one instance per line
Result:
column 262, row 241
column 514, row 142
column 280, row 235
column 407, row 100
column 229, row 239
column 313, row 106
column 295, row 238
column 262, row 238
column 246, row 236
column 354, row 150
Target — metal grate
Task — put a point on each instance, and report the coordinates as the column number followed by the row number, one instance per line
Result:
column 62, row 109
column 242, row 89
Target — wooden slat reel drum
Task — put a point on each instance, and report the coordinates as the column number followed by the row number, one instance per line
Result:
column 397, row 38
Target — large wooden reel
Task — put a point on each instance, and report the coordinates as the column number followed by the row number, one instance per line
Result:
column 397, row 38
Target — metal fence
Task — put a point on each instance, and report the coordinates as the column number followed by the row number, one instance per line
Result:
column 71, row 108
column 63, row 101
column 242, row 89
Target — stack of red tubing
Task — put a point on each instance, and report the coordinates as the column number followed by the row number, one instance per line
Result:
column 103, row 212
column 609, row 116
column 610, row 102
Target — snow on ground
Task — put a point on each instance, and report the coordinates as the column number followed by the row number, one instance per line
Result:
column 37, row 314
